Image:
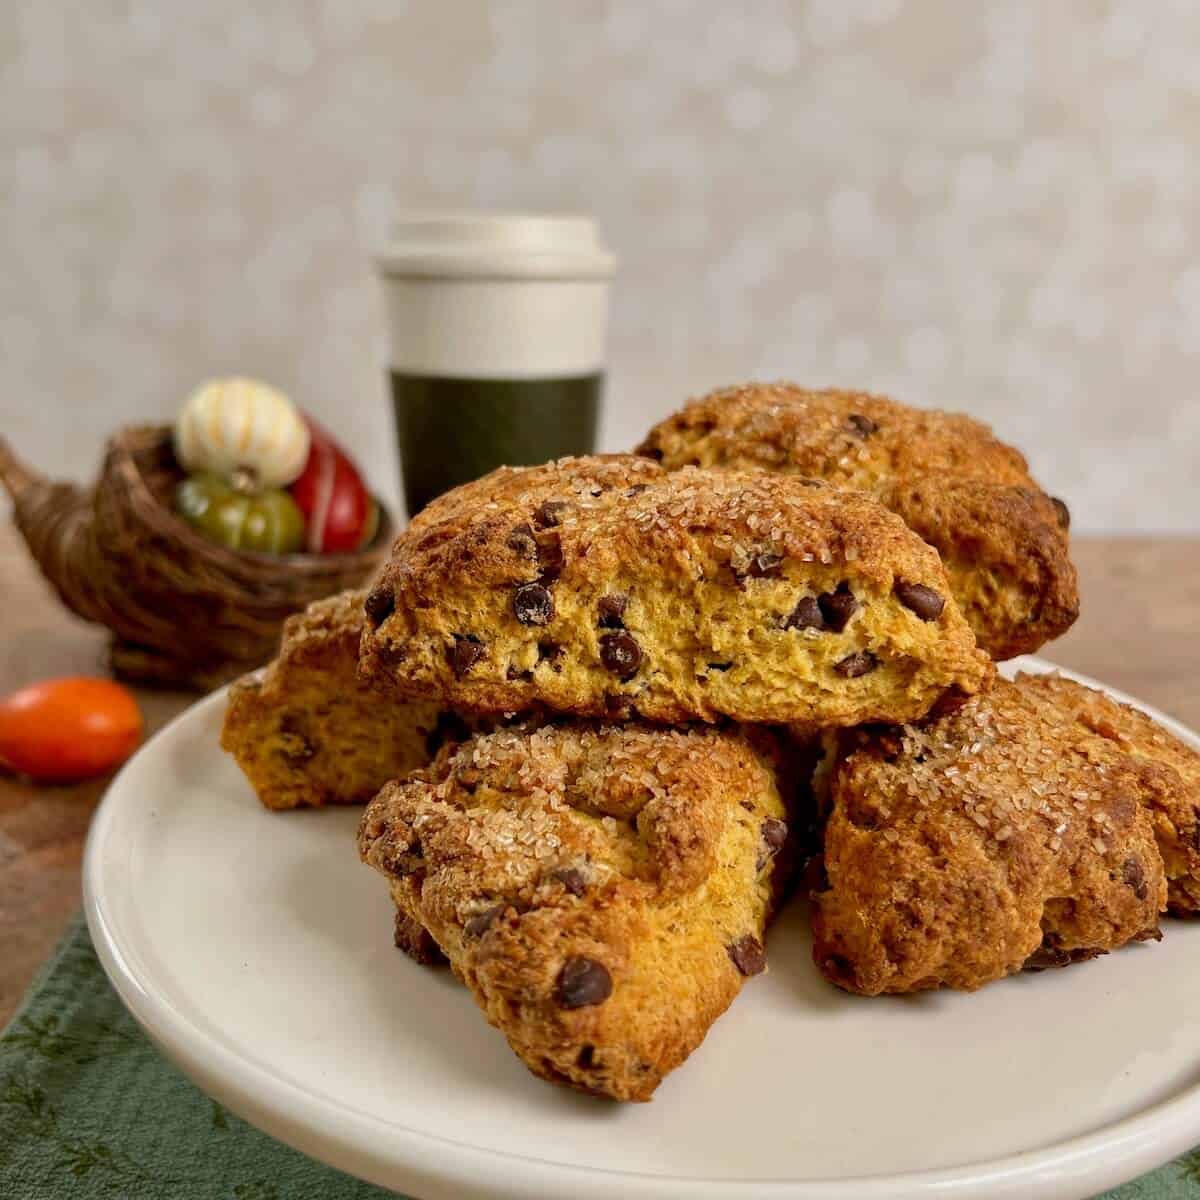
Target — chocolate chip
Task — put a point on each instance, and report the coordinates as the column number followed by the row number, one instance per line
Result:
column 1062, row 512
column 951, row 699
column 636, row 489
column 838, row 607
column 764, row 566
column 834, row 966
column 719, row 667
column 620, row 654
column 587, row 1057
column 379, row 604
column 481, row 922
column 1133, row 877
column 404, row 860
column 854, row 665
column 862, row 814
column 748, row 955
column 533, row 604
column 612, row 608
column 774, row 834
column 572, row 879
column 296, row 749
column 806, row 615
column 465, row 653
column 583, row 982
column 1048, row 956
column 517, row 673
column 521, row 540
column 652, row 452
column 861, row 425
column 549, row 513
column 416, row 941
column 549, row 652
column 922, row 601
column 550, row 558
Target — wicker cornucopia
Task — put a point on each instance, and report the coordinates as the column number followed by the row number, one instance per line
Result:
column 183, row 610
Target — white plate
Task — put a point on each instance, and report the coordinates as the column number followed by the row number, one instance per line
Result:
column 256, row 951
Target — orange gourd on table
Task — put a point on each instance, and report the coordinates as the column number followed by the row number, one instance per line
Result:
column 68, row 729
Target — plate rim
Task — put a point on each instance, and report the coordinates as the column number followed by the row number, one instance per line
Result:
column 391, row 1155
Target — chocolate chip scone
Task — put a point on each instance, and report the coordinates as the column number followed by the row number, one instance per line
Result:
column 1173, row 800
column 1002, row 539
column 964, row 848
column 605, row 587
column 602, row 890
column 306, row 732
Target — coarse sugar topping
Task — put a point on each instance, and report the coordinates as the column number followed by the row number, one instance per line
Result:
column 998, row 764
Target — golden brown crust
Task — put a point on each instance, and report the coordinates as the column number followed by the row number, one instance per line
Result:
column 960, row 848
column 1173, row 799
column 603, row 891
column 1003, row 540
column 608, row 588
column 306, row 732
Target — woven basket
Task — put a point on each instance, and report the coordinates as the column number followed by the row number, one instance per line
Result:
column 183, row 611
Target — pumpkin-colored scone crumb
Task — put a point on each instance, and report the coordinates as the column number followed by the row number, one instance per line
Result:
column 1002, row 539
column 1173, row 797
column 304, row 729
column 605, row 587
column 602, row 890
column 964, row 848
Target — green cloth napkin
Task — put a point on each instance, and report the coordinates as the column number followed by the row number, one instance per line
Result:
column 88, row 1108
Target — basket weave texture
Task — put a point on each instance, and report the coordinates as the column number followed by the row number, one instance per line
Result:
column 183, row 610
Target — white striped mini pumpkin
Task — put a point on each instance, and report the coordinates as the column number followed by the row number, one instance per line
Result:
column 233, row 425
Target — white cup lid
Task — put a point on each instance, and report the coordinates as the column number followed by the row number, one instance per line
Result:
column 495, row 246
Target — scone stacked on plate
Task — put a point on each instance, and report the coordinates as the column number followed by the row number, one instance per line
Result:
column 609, row 588
column 1003, row 541
column 603, row 890
column 307, row 733
column 601, row 877
column 630, row 667
column 1042, row 823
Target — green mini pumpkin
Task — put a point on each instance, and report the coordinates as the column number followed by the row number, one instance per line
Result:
column 266, row 521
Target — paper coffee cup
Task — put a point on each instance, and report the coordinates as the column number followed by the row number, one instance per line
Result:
column 496, row 334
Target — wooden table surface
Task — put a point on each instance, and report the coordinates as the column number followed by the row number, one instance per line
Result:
column 1139, row 632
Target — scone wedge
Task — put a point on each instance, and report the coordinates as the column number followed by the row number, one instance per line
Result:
column 1171, row 771
column 306, row 732
column 607, row 588
column 963, row 848
column 602, row 890
column 1002, row 539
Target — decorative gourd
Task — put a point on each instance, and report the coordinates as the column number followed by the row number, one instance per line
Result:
column 240, row 424
column 267, row 521
column 68, row 729
column 342, row 515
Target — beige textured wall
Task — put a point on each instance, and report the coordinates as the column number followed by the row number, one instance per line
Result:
column 988, row 206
